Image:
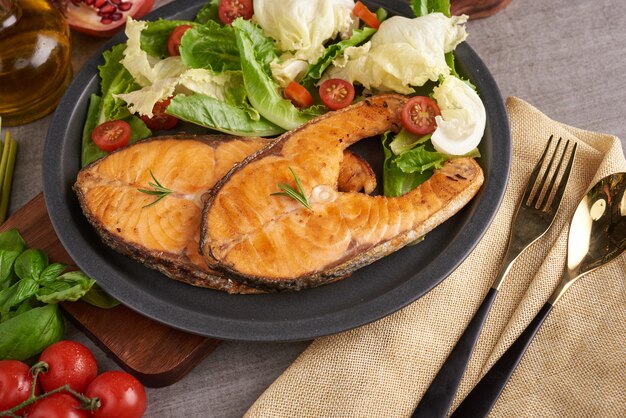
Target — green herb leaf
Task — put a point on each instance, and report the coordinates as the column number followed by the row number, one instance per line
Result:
column 11, row 245
column 157, row 190
column 289, row 191
column 51, row 272
column 30, row 264
column 69, row 286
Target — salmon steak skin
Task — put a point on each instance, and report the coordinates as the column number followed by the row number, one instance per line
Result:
column 275, row 242
column 165, row 235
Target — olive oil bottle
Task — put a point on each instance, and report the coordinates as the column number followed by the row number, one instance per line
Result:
column 35, row 65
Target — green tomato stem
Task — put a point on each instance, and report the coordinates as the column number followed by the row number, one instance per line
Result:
column 90, row 404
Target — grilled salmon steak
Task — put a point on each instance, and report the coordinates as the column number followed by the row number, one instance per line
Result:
column 164, row 235
column 274, row 242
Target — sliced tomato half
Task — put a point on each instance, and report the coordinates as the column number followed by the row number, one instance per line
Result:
column 336, row 93
column 229, row 10
column 111, row 135
column 173, row 43
column 299, row 96
column 160, row 120
column 418, row 115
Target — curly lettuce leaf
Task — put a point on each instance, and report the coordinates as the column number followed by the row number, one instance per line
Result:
column 155, row 36
column 424, row 7
column 210, row 46
column 208, row 12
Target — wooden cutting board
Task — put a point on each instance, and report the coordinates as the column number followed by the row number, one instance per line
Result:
column 156, row 354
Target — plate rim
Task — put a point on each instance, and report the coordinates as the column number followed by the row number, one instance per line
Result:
column 334, row 322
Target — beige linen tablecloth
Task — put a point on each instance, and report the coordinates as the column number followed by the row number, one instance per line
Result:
column 576, row 365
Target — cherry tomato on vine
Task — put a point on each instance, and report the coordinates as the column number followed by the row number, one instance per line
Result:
column 299, row 96
column 69, row 362
column 160, row 119
column 111, row 135
column 418, row 115
column 336, row 93
column 229, row 10
column 16, row 383
column 120, row 394
column 362, row 12
column 58, row 405
column 173, row 43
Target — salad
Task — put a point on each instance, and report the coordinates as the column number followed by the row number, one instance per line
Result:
column 263, row 67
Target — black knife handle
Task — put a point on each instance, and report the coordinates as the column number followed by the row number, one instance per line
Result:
column 483, row 397
column 439, row 396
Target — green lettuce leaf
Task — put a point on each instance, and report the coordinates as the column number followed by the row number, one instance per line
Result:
column 424, row 7
column 208, row 12
column 210, row 46
column 263, row 92
column 316, row 70
column 155, row 36
column 221, row 116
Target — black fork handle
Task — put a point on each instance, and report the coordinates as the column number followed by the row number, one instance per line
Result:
column 483, row 397
column 439, row 396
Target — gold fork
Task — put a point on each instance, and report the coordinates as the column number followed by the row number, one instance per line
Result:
column 535, row 214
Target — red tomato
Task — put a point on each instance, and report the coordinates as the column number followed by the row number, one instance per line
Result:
column 173, row 43
column 362, row 12
column 111, row 135
column 418, row 115
column 229, row 10
column 69, row 362
column 58, row 405
column 120, row 394
column 160, row 119
column 336, row 93
column 16, row 383
column 298, row 95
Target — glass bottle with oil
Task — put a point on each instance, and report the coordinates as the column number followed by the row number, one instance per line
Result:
column 35, row 66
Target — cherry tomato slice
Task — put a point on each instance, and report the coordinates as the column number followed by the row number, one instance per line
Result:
column 58, row 405
column 299, row 96
column 336, row 93
column 69, row 362
column 15, row 383
column 229, row 10
column 418, row 115
column 160, row 119
column 362, row 12
column 120, row 394
column 111, row 135
column 173, row 43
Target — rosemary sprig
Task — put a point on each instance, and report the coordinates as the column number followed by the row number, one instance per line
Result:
column 157, row 190
column 289, row 191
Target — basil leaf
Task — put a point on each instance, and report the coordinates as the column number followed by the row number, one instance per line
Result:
column 11, row 245
column 16, row 294
column 69, row 286
column 30, row 264
column 27, row 334
column 99, row 298
column 51, row 272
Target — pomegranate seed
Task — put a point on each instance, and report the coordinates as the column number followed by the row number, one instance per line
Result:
column 89, row 2
column 116, row 1
column 99, row 3
column 124, row 6
column 107, row 9
column 116, row 16
column 106, row 21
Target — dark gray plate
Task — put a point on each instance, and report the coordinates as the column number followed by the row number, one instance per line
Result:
column 369, row 294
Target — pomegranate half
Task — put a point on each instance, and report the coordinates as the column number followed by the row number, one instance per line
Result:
column 101, row 18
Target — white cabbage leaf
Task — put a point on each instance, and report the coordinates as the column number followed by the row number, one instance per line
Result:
column 202, row 81
column 462, row 122
column 302, row 27
column 144, row 68
column 402, row 53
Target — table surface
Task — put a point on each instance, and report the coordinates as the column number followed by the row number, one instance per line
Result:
column 566, row 57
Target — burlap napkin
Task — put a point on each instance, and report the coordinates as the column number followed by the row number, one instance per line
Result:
column 576, row 365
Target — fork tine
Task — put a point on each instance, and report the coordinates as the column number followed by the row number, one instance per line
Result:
column 545, row 202
column 556, row 201
column 533, row 176
column 536, row 199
